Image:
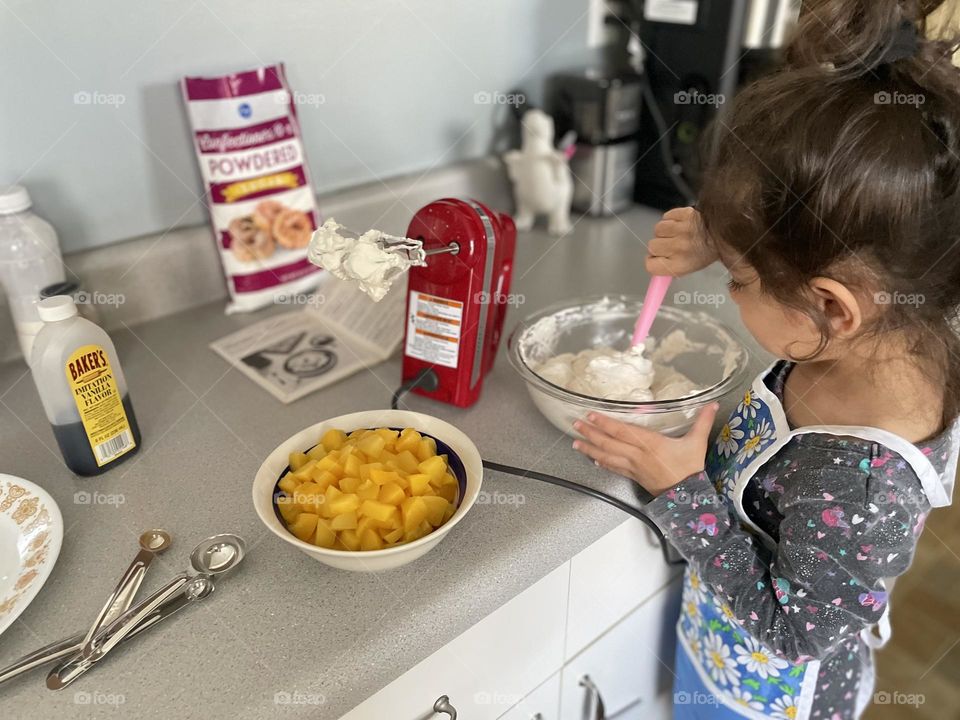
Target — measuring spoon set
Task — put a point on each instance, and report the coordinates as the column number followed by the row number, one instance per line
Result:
column 119, row 619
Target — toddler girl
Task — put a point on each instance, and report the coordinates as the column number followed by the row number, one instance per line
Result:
column 832, row 197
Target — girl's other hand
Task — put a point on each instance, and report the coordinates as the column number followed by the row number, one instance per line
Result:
column 679, row 246
column 655, row 461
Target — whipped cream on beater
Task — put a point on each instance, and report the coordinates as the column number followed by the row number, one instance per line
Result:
column 624, row 375
column 373, row 260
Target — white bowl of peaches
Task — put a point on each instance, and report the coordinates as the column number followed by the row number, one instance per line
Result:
column 369, row 491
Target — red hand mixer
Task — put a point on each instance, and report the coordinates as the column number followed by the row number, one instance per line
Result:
column 457, row 303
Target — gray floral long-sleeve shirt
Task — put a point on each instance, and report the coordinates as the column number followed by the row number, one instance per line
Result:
column 845, row 514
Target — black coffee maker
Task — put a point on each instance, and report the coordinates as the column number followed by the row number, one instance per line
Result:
column 694, row 55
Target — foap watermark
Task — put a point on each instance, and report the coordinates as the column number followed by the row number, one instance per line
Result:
column 82, row 697
column 500, row 498
column 898, row 98
column 485, row 697
column 682, row 697
column 300, row 498
column 682, row 497
column 498, row 298
column 883, row 498
column 899, row 298
column 85, row 497
column 695, row 97
column 486, row 97
column 898, row 698
column 95, row 97
column 309, row 99
column 699, row 298
column 300, row 299
column 85, row 297
column 298, row 697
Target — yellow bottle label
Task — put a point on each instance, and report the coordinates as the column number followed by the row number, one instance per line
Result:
column 95, row 391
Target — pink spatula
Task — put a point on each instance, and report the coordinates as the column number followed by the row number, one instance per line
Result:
column 651, row 306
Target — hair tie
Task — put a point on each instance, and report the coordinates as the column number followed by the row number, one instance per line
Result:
column 904, row 44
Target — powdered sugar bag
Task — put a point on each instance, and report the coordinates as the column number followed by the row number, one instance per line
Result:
column 257, row 183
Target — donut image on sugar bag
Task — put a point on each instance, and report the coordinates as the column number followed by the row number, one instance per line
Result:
column 262, row 205
column 248, row 242
column 292, row 229
column 265, row 213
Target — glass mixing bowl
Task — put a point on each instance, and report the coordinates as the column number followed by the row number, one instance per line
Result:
column 713, row 359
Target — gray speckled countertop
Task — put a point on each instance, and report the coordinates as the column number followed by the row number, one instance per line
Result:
column 284, row 621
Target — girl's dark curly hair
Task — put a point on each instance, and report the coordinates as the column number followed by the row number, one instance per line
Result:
column 846, row 164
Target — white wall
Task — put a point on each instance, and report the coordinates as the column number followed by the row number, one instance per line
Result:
column 398, row 79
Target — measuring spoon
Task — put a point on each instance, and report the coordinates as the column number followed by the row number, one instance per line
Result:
column 215, row 555
column 152, row 543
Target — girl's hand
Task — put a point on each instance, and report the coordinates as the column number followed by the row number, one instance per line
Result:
column 655, row 461
column 679, row 244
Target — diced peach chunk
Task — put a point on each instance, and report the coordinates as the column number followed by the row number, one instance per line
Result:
column 333, row 439
column 414, row 512
column 419, row 484
column 350, row 484
column 289, row 509
column 377, row 510
column 381, row 477
column 407, row 461
column 297, row 460
column 304, row 526
column 426, row 449
column 349, row 539
column 344, row 521
column 392, row 536
column 288, row 483
column 436, row 507
column 391, row 493
column 434, row 468
column 370, row 540
column 351, row 466
column 367, row 490
column 372, row 446
column 324, row 535
column 345, row 502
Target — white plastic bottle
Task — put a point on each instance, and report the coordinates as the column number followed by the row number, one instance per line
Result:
column 77, row 373
column 29, row 261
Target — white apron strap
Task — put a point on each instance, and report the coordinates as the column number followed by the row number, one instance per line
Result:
column 878, row 639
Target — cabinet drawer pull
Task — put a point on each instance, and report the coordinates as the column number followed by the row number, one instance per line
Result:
column 442, row 705
column 593, row 702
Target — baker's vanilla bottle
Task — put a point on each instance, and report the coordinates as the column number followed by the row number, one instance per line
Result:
column 81, row 385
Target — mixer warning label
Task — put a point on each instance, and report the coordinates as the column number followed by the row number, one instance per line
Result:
column 434, row 329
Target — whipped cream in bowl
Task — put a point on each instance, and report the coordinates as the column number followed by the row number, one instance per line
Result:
column 576, row 358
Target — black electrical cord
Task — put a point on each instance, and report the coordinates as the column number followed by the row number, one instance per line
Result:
column 666, row 146
column 428, row 380
column 590, row 492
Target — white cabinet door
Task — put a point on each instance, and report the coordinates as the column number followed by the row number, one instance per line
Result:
column 631, row 666
column 610, row 578
column 487, row 669
column 542, row 704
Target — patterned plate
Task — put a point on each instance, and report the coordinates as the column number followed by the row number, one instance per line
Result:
column 31, row 530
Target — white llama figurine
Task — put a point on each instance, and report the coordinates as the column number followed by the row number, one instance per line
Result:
column 542, row 183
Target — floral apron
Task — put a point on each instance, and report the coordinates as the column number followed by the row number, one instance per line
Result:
column 722, row 671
